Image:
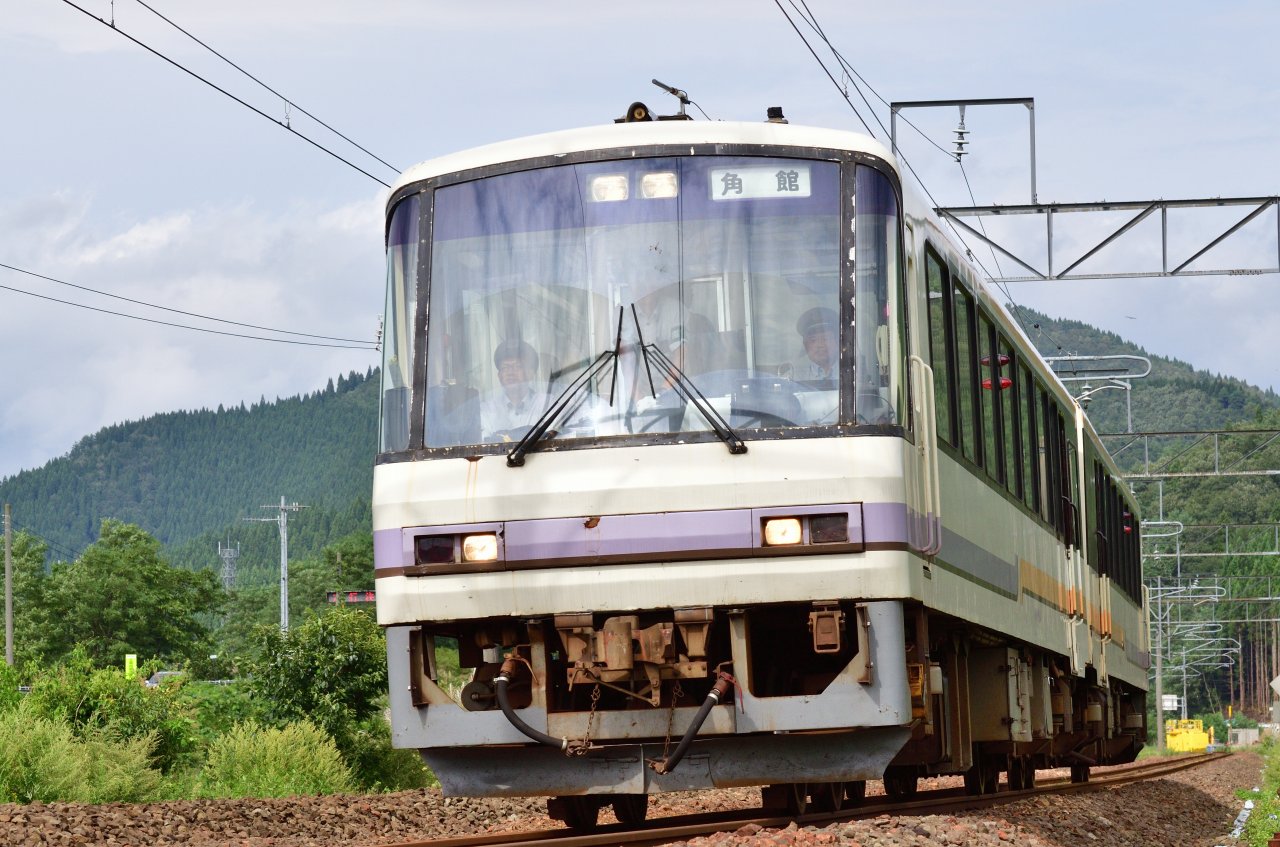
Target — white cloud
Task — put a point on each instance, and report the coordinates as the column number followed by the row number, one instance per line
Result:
column 316, row 271
column 141, row 239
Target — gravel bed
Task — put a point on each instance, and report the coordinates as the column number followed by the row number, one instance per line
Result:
column 1194, row 808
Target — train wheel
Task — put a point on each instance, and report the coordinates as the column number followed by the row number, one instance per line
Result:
column 1028, row 774
column 576, row 812
column 827, row 796
column 1080, row 773
column 797, row 798
column 981, row 778
column 630, row 809
column 1015, row 774
column 855, row 791
column 990, row 778
column 789, row 798
column 900, row 785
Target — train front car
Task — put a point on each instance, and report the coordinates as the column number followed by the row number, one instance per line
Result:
column 673, row 414
column 643, row 460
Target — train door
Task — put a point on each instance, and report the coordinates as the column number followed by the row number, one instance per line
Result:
column 1086, row 579
column 921, row 471
column 1096, row 603
column 1061, row 488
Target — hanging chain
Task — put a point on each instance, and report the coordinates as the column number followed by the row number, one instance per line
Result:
column 676, row 693
column 580, row 748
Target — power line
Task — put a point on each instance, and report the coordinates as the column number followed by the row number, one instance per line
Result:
column 50, row 544
column 286, row 100
column 214, row 86
column 821, row 64
column 812, row 20
column 178, row 311
column 184, row 326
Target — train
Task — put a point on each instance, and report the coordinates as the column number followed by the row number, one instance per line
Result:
column 709, row 458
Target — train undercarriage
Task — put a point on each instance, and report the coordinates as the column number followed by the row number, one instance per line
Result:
column 809, row 700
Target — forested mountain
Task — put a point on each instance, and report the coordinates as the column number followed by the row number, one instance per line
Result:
column 190, row 477
column 1174, row 396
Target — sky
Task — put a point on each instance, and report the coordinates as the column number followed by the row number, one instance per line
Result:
column 121, row 173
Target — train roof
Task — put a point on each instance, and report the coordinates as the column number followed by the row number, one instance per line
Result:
column 624, row 136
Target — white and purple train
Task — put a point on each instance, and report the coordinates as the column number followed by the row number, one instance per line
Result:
column 713, row 457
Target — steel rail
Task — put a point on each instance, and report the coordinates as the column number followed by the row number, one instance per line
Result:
column 682, row 827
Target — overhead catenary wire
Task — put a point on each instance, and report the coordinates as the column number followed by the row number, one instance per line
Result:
column 811, row 19
column 179, row 311
column 368, row 346
column 282, row 124
column 287, row 101
column 821, row 64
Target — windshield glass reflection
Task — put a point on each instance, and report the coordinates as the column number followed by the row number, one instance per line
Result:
column 728, row 266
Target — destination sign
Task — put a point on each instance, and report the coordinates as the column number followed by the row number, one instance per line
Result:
column 757, row 182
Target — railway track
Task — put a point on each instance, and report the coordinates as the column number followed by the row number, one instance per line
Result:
column 940, row 801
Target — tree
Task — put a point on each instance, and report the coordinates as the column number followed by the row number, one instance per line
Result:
column 331, row 670
column 121, row 597
column 28, row 592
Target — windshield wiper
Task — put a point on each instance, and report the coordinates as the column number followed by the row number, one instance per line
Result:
column 685, row 388
column 515, row 458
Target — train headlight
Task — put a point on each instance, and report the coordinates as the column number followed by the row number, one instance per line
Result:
column 779, row 532
column 658, row 185
column 480, row 548
column 435, row 549
column 609, row 187
column 828, row 529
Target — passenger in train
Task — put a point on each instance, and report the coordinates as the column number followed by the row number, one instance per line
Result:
column 817, row 328
column 508, row 412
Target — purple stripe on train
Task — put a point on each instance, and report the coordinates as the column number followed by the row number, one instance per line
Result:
column 726, row 530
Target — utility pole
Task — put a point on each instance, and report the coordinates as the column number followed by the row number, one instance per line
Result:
column 1159, row 645
column 282, row 521
column 228, row 555
column 8, row 586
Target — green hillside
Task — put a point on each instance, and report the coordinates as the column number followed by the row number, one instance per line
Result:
column 1175, row 396
column 191, row 477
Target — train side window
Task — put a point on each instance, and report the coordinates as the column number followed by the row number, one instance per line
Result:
column 1030, row 439
column 1135, row 552
column 992, row 456
column 1099, row 515
column 1008, row 400
column 1050, row 466
column 967, row 376
column 1063, row 467
column 1071, row 479
column 1116, row 531
column 941, row 342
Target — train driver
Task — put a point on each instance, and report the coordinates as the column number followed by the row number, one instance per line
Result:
column 817, row 329
column 508, row 412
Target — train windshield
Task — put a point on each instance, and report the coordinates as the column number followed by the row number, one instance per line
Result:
column 607, row 287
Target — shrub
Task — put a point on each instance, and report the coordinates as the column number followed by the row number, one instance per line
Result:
column 1264, row 819
column 9, row 681
column 119, row 771
column 39, row 759
column 378, row 766
column 217, row 709
column 257, row 761
column 330, row 671
column 106, row 701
